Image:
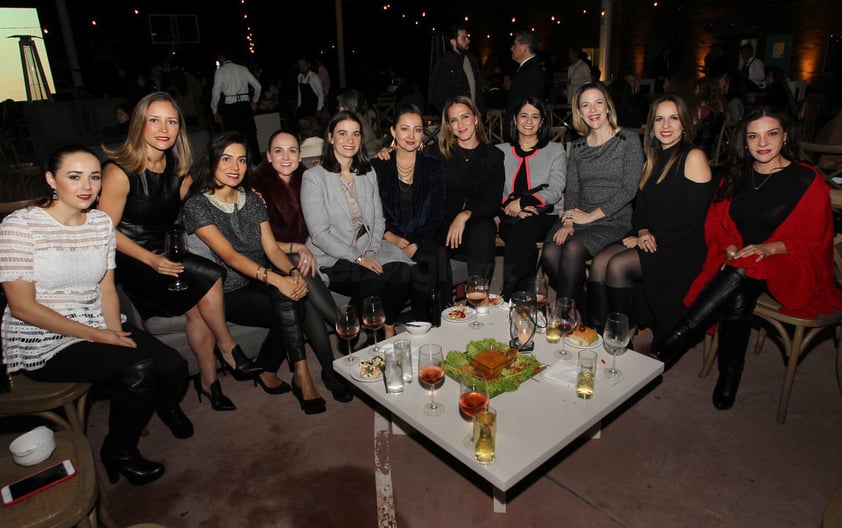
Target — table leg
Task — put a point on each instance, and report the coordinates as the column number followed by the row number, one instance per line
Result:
column 595, row 432
column 499, row 498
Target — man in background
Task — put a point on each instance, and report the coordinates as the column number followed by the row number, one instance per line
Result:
column 232, row 105
column 753, row 68
column 528, row 80
column 457, row 73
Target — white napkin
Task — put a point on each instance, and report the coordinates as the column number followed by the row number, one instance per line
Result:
column 562, row 370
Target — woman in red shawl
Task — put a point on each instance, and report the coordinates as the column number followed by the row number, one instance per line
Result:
column 770, row 229
column 278, row 181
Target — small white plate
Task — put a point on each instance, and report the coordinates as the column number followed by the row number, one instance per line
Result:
column 595, row 344
column 355, row 373
column 469, row 314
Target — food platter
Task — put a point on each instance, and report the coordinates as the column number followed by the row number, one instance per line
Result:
column 523, row 367
column 458, row 314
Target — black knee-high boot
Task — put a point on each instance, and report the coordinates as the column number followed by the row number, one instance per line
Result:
column 595, row 308
column 618, row 300
column 733, row 340
column 700, row 316
column 131, row 406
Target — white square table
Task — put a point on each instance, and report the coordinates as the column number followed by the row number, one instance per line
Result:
column 534, row 423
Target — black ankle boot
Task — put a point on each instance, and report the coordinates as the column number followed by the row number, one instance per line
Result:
column 619, row 300
column 596, row 307
column 130, row 464
column 174, row 418
column 244, row 369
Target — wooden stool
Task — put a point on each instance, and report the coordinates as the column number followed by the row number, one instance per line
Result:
column 69, row 503
column 40, row 399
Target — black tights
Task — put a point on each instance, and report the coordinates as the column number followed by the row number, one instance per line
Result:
column 616, row 266
column 565, row 266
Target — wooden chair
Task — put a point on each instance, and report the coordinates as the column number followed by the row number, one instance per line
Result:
column 558, row 133
column 70, row 503
column 558, row 113
column 35, row 398
column 811, row 153
column 42, row 400
column 795, row 343
column 494, row 124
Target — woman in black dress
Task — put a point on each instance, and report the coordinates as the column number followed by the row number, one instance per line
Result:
column 143, row 184
column 666, row 247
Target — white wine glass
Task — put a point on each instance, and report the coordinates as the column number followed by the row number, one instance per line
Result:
column 175, row 249
column 476, row 291
column 431, row 375
column 373, row 316
column 615, row 338
column 347, row 327
column 566, row 317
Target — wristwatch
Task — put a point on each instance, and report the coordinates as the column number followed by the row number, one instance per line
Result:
column 358, row 259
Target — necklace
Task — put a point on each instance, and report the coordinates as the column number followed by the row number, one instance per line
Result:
column 467, row 157
column 405, row 174
column 754, row 184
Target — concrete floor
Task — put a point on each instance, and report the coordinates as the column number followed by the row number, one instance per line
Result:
column 666, row 459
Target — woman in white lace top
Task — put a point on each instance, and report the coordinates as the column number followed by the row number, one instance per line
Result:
column 62, row 323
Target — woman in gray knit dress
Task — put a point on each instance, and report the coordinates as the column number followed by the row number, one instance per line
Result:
column 602, row 175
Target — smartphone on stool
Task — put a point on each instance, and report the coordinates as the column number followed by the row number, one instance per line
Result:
column 37, row 482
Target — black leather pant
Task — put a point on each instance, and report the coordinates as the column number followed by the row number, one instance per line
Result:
column 153, row 374
column 258, row 304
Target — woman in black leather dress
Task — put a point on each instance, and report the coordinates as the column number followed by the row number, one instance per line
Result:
column 143, row 184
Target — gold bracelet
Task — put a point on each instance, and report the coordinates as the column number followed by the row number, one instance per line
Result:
column 731, row 253
column 266, row 275
column 257, row 273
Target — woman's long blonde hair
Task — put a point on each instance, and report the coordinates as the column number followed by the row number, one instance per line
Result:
column 446, row 138
column 131, row 155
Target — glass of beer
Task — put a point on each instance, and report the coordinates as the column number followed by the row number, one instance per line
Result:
column 586, row 374
column 485, row 435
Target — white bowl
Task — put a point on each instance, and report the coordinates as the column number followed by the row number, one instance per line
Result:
column 418, row 328
column 33, row 447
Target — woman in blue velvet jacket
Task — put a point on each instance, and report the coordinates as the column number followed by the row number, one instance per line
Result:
column 412, row 190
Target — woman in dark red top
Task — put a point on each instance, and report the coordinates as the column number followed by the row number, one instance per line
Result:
column 278, row 181
column 769, row 228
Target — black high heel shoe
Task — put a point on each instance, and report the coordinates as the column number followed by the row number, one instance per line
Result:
column 218, row 401
column 131, row 465
column 243, row 368
column 283, row 388
column 339, row 388
column 312, row 406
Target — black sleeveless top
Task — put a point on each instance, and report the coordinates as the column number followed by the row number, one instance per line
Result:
column 152, row 206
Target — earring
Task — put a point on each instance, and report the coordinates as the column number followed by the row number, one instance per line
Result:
column 54, row 197
column 421, row 147
column 393, row 146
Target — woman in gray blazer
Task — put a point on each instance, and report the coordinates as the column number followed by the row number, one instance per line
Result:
column 536, row 172
column 341, row 206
